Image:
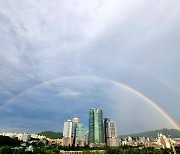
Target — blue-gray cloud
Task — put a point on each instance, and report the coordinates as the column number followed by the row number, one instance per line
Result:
column 135, row 43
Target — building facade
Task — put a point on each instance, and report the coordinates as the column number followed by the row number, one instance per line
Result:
column 111, row 137
column 87, row 138
column 67, row 133
column 73, row 133
column 163, row 141
column 96, row 129
column 79, row 138
column 75, row 122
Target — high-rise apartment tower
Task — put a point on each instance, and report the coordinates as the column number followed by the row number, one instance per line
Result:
column 111, row 137
column 67, row 133
column 79, row 138
column 74, row 126
column 96, row 130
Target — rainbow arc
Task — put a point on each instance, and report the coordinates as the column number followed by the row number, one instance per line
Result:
column 130, row 89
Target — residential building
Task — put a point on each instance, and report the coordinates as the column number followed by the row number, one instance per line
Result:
column 75, row 121
column 67, row 133
column 87, row 138
column 79, row 138
column 163, row 141
column 111, row 137
column 96, row 131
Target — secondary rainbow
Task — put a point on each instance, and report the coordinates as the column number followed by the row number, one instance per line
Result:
column 148, row 100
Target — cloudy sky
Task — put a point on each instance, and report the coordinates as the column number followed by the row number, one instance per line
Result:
column 59, row 58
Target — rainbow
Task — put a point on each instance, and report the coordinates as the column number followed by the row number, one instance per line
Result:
column 130, row 89
column 160, row 80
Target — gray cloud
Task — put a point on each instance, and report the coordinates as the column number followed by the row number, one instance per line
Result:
column 135, row 43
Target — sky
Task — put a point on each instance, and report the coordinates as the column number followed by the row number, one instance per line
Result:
column 60, row 58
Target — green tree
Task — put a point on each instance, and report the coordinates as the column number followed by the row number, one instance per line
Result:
column 6, row 150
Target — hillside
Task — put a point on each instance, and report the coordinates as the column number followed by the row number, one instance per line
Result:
column 52, row 135
column 174, row 133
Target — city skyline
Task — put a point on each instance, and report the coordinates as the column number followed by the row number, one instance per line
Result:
column 58, row 59
column 74, row 112
column 102, row 131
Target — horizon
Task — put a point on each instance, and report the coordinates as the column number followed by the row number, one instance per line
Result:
column 85, row 132
column 58, row 59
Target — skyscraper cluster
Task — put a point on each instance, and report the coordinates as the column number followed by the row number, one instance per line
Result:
column 73, row 133
column 101, row 132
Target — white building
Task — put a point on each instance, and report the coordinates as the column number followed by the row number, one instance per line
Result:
column 24, row 137
column 35, row 136
column 67, row 133
column 163, row 141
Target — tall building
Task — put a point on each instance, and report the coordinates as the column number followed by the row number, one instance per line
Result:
column 79, row 138
column 87, row 138
column 106, row 120
column 73, row 133
column 111, row 137
column 74, row 126
column 67, row 133
column 96, row 131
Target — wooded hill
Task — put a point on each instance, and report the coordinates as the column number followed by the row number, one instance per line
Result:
column 174, row 133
